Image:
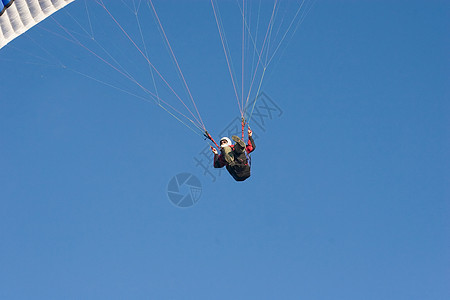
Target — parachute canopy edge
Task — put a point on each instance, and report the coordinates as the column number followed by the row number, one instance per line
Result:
column 17, row 16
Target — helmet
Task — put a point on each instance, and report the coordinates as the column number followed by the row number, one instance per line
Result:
column 225, row 139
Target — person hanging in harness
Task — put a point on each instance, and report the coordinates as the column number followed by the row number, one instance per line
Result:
column 235, row 157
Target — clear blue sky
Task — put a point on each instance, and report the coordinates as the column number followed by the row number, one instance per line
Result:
column 349, row 195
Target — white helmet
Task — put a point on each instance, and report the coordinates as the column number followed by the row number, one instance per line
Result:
column 225, row 139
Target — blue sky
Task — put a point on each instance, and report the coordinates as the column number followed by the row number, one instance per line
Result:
column 349, row 194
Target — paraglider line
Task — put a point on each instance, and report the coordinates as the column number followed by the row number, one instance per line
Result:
column 226, row 56
column 176, row 61
column 100, row 2
column 127, row 76
column 260, row 55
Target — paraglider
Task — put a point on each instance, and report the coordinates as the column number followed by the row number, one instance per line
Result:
column 235, row 157
column 257, row 48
